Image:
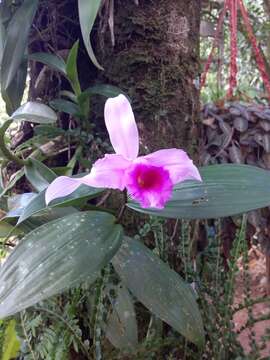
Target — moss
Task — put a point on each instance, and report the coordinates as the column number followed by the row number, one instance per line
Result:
column 156, row 61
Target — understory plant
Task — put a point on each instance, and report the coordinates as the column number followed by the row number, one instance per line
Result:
column 74, row 276
column 63, row 237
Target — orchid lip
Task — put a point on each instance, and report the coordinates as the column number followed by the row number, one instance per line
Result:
column 150, row 185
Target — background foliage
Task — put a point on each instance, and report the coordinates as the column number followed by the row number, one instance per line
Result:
column 115, row 289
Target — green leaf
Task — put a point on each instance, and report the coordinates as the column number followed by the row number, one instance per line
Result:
column 20, row 204
column 13, row 95
column 160, row 289
column 226, row 190
column 11, row 345
column 121, row 326
column 35, row 112
column 88, row 11
column 104, row 90
column 77, row 198
column 13, row 180
column 51, row 60
column 101, row 89
column 72, row 162
column 72, row 70
column 38, row 174
column 16, row 41
column 17, row 203
column 65, row 106
column 61, row 170
column 8, row 223
column 68, row 94
column 57, row 256
column 48, row 131
column 2, row 37
column 6, row 228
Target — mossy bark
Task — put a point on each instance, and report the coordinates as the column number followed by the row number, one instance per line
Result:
column 155, row 59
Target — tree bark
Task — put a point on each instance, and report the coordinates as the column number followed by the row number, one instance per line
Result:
column 156, row 61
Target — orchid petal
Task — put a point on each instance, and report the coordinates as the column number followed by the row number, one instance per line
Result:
column 60, row 187
column 176, row 161
column 122, row 128
column 108, row 172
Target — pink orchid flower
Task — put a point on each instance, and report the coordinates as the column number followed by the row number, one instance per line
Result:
column 148, row 179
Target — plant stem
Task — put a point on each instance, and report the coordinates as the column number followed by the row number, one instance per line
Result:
column 123, row 207
column 6, row 152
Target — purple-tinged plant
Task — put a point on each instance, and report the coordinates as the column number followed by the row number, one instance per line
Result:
column 148, row 179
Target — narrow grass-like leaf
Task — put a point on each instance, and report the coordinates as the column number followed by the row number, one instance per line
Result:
column 87, row 14
column 72, row 70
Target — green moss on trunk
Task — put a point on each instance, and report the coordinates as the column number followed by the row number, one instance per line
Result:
column 155, row 59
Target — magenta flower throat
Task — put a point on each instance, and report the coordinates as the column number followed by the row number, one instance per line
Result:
column 148, row 179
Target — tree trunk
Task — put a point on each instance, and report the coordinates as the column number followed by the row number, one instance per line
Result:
column 156, row 61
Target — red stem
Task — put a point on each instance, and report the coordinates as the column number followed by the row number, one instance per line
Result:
column 233, row 62
column 256, row 50
column 215, row 42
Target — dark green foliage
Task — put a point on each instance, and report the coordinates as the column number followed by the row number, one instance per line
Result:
column 53, row 330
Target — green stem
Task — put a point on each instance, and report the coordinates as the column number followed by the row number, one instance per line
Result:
column 6, row 152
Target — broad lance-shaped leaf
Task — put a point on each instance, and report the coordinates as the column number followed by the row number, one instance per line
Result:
column 103, row 90
column 226, row 190
column 65, row 106
column 35, row 112
column 13, row 180
column 160, row 289
column 17, row 203
column 16, row 41
column 57, row 256
column 54, row 61
column 77, row 198
column 14, row 93
column 38, row 174
column 121, row 326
